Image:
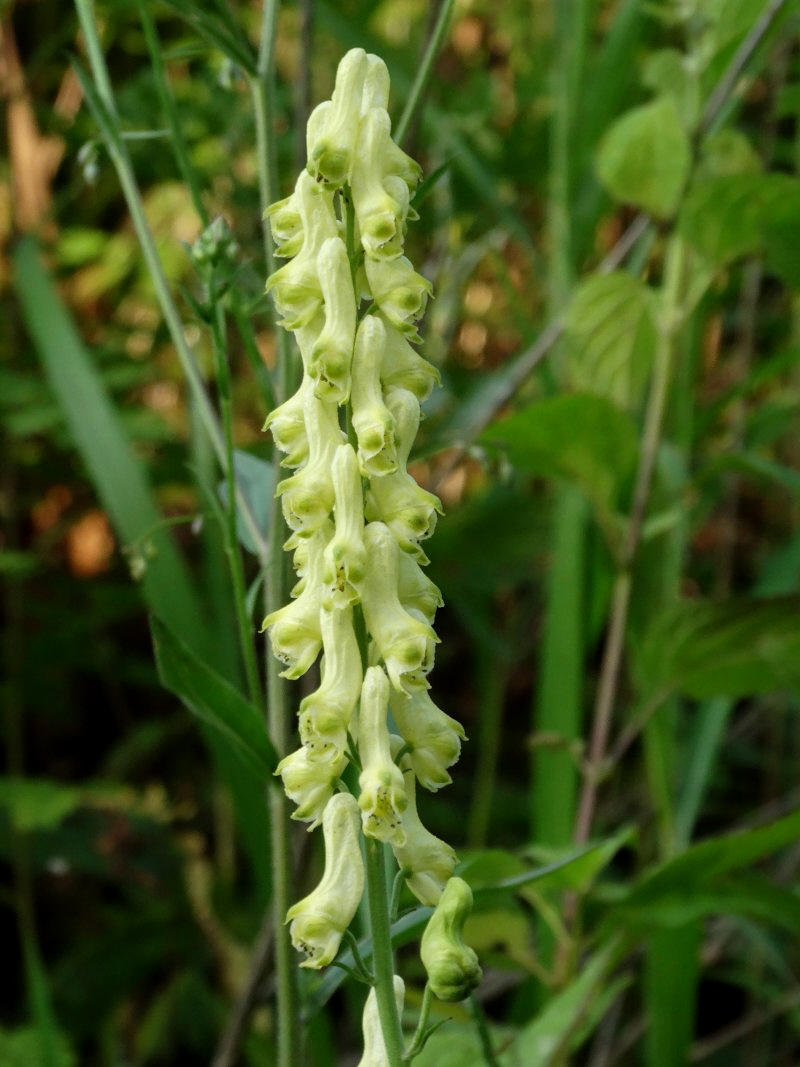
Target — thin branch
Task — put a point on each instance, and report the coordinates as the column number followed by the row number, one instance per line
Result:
column 424, row 71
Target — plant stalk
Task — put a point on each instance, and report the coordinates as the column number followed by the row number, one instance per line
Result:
column 382, row 956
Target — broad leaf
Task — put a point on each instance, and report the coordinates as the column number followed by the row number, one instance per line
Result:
column 644, row 158
column 213, row 700
column 733, row 215
column 728, row 648
column 582, row 438
column 612, row 334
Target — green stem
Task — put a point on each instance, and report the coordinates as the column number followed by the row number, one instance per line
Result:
column 478, row 1016
column 424, row 70
column 167, row 100
column 275, row 574
column 670, row 312
column 382, row 957
column 418, row 1040
column 231, row 540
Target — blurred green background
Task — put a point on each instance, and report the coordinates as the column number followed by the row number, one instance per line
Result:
column 136, row 863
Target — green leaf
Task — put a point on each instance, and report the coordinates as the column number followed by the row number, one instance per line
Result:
column 670, row 987
column 559, row 1025
column 610, row 325
column 728, row 648
column 644, row 158
column 669, row 72
column 95, row 428
column 37, row 803
column 213, row 22
column 256, row 479
column 213, row 700
column 582, row 438
column 733, row 215
column 678, row 881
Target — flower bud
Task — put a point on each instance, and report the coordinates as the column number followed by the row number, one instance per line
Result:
column 333, row 350
column 426, row 860
column 331, row 153
column 294, row 629
column 404, row 642
column 309, row 783
column 400, row 293
column 452, row 967
column 325, row 713
column 434, row 738
column 373, row 423
column 407, row 509
column 345, row 556
column 320, row 919
column 382, row 798
column 307, row 496
column 404, row 368
column 296, row 285
column 375, row 1054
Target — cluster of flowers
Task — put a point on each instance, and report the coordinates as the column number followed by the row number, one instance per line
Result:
column 357, row 517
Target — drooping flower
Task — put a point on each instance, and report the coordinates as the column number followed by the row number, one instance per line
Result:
column 434, row 739
column 325, row 713
column 310, row 783
column 319, row 920
column 374, row 1047
column 345, row 554
column 426, row 860
column 382, row 798
column 452, row 967
column 405, row 643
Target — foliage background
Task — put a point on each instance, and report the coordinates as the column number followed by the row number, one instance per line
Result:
column 134, row 885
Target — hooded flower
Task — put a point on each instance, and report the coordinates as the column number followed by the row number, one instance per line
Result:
column 407, row 509
column 309, row 783
column 332, row 353
column 307, row 496
column 403, row 368
column 400, row 293
column 452, row 967
column 374, row 1047
column 382, row 798
column 426, row 860
column 296, row 285
column 345, row 556
column 325, row 713
column 330, row 152
column 319, row 920
column 372, row 421
column 294, row 629
column 434, row 739
column 405, row 643
column 289, row 428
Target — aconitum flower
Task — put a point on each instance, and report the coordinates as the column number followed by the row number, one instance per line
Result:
column 374, row 1047
column 320, row 919
column 357, row 519
column 452, row 967
column 383, row 797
